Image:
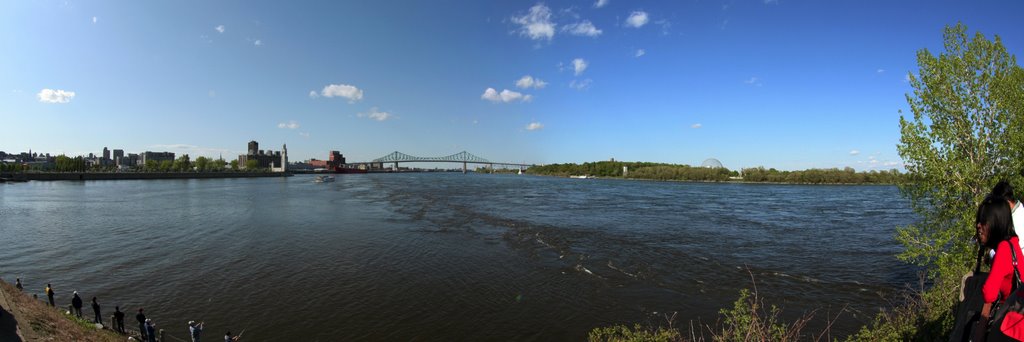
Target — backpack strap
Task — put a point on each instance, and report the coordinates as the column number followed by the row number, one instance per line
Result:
column 1016, row 273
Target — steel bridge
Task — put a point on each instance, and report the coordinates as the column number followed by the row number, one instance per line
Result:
column 461, row 157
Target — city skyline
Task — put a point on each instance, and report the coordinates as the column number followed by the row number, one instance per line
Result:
column 780, row 84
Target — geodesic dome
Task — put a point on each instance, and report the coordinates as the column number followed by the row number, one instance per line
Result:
column 711, row 163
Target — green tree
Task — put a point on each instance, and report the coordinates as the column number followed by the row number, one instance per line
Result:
column 202, row 164
column 182, row 164
column 217, row 165
column 251, row 165
column 964, row 136
column 234, row 165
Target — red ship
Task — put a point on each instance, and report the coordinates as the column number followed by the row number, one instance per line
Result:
column 342, row 169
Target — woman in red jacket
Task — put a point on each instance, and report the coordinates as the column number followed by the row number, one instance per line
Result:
column 995, row 231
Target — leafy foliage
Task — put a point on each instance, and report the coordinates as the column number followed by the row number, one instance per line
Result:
column 622, row 333
column 823, row 176
column 966, row 134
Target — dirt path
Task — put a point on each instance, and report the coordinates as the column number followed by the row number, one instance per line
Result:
column 9, row 325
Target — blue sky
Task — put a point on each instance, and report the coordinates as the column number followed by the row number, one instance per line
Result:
column 784, row 84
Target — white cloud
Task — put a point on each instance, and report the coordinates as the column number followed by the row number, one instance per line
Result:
column 313, row 94
column 376, row 114
column 537, row 23
column 349, row 92
column 528, row 81
column 219, row 28
column 637, row 19
column 579, row 65
column 754, row 81
column 258, row 42
column 891, row 164
column 55, row 96
column 854, row 152
column 491, row 95
column 769, row 2
column 505, row 96
column 665, row 25
column 304, row 134
column 580, row 85
column 94, row 19
column 289, row 125
column 696, row 125
column 533, row 126
column 640, row 52
column 880, row 71
column 601, row 3
column 583, row 28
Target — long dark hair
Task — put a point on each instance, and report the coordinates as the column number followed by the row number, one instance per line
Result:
column 995, row 213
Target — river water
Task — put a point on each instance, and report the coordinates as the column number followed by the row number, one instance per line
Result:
column 443, row 256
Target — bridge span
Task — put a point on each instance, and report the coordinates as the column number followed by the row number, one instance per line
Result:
column 462, row 157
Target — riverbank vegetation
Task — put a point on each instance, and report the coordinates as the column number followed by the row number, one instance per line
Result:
column 40, row 322
column 183, row 163
column 966, row 133
column 749, row 319
column 677, row 172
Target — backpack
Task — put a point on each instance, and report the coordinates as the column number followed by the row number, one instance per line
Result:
column 968, row 310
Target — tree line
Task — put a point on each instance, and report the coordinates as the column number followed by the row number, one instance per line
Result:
column 681, row 172
column 823, row 176
column 63, row 163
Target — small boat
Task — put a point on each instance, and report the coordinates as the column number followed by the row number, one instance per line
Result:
column 520, row 171
column 323, row 179
column 580, row 177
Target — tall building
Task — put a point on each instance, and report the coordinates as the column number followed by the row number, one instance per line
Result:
column 131, row 160
column 275, row 161
column 254, row 148
column 334, row 159
column 106, row 153
column 157, row 156
column 337, row 159
column 118, row 157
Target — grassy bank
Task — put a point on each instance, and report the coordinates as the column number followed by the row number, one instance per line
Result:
column 37, row 321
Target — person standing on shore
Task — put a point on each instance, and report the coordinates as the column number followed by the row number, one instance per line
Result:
column 76, row 302
column 151, row 330
column 995, row 231
column 96, row 310
column 49, row 294
column 118, row 320
column 194, row 330
column 17, row 284
column 142, row 324
column 1004, row 190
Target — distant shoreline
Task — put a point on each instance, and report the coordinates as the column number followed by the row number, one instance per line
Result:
column 712, row 181
column 84, row 176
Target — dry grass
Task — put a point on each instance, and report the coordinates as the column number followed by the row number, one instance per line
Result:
column 51, row 324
